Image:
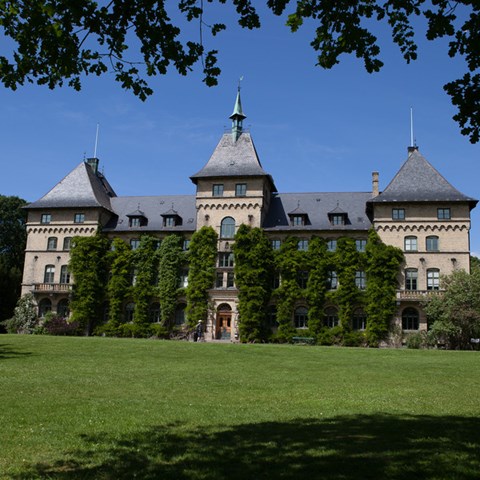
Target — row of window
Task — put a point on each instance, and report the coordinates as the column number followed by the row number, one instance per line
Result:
column 45, row 306
column 154, row 313
column 360, row 245
column 240, row 190
column 411, row 279
column 49, row 274
column 442, row 214
column 46, row 218
column 52, row 243
column 410, row 243
column 135, row 243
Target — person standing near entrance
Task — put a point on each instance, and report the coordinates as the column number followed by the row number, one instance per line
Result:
column 198, row 335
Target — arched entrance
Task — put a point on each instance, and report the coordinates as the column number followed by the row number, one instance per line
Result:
column 224, row 322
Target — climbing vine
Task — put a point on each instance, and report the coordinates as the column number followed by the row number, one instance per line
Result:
column 202, row 258
column 318, row 263
column 382, row 282
column 171, row 261
column 289, row 262
column 254, row 267
column 88, row 265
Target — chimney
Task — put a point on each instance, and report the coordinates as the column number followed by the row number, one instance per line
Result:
column 93, row 162
column 411, row 149
column 375, row 191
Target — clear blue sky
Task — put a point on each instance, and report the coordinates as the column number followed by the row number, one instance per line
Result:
column 315, row 130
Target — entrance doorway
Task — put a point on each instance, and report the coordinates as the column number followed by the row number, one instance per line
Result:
column 224, row 322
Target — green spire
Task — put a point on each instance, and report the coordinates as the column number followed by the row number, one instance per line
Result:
column 237, row 117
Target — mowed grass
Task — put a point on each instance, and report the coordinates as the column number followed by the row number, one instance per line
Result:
column 100, row 408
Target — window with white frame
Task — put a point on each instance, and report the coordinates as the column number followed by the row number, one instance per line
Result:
column 360, row 279
column 433, row 279
column 331, row 317
column 134, row 243
column 411, row 279
column 79, row 218
column 332, row 280
column 411, row 244
column 398, row 214
column 227, row 228
column 49, row 275
column 217, row 190
column 360, row 244
column 443, row 214
column 276, row 244
column 64, row 274
column 226, row 259
column 301, row 317
column 240, row 189
column 331, row 245
column 46, row 218
column 359, row 320
column 302, row 245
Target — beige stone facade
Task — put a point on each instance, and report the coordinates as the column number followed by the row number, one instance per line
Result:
column 418, row 212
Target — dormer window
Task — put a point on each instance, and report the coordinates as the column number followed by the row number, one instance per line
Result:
column 137, row 219
column 338, row 216
column 298, row 217
column 171, row 219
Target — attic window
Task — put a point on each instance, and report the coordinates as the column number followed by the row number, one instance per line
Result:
column 169, row 222
column 298, row 220
column 138, row 221
column 337, row 219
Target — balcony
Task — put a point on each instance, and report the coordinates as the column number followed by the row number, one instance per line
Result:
column 52, row 287
column 417, row 295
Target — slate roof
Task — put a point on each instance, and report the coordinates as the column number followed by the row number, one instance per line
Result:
column 153, row 207
column 418, row 181
column 318, row 206
column 233, row 159
column 81, row 188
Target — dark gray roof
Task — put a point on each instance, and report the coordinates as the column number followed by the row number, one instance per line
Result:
column 233, row 159
column 153, row 208
column 318, row 206
column 418, row 181
column 79, row 189
column 136, row 213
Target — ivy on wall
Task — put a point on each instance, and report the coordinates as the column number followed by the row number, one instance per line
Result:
column 171, row 261
column 254, row 266
column 383, row 263
column 202, row 260
column 88, row 265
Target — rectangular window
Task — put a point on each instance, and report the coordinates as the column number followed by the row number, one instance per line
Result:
column 169, row 222
column 360, row 245
column 240, row 189
column 225, row 259
column 302, row 279
column 276, row 244
column 186, row 245
column 217, row 190
column 46, row 218
column 67, row 243
column 332, row 280
column 443, row 214
column 219, row 280
column 432, row 244
column 64, row 274
column 230, row 280
column 411, row 244
column 298, row 221
column 184, row 278
column 411, row 278
column 302, row 245
column 338, row 220
column 398, row 214
column 433, row 279
column 79, row 218
column 360, row 280
column 134, row 243
column 49, row 274
column 135, row 222
column 52, row 243
column 331, row 245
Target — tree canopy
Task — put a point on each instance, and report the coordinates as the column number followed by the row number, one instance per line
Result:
column 57, row 41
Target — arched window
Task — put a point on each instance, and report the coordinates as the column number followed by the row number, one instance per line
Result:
column 49, row 274
column 52, row 243
column 301, row 317
column 64, row 274
column 129, row 312
column 180, row 314
column 44, row 306
column 331, row 317
column 154, row 312
column 410, row 319
column 62, row 308
column 359, row 321
column 227, row 229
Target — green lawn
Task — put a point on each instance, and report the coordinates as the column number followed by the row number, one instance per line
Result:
column 100, row 408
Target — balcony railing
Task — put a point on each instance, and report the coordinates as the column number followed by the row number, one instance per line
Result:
column 52, row 287
column 417, row 294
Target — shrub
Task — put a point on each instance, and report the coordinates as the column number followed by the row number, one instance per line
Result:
column 55, row 325
column 354, row 339
column 330, row 336
column 417, row 340
column 25, row 318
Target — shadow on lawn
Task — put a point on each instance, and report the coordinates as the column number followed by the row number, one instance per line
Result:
column 6, row 351
column 347, row 448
